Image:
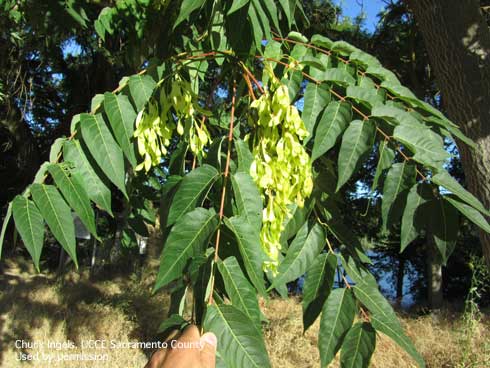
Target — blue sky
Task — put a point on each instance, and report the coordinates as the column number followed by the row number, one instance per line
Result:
column 352, row 8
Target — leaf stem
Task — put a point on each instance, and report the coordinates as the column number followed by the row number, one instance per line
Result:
column 223, row 192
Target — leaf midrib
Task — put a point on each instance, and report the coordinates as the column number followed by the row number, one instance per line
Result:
column 105, row 145
column 356, row 350
column 354, row 150
column 83, row 203
column 30, row 228
column 194, row 198
column 55, row 214
column 330, row 125
column 189, row 245
column 337, row 316
column 237, row 292
column 235, row 337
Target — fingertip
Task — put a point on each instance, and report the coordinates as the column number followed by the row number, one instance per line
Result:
column 210, row 339
column 191, row 333
column 208, row 350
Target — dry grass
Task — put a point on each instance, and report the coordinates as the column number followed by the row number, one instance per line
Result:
column 41, row 308
column 437, row 339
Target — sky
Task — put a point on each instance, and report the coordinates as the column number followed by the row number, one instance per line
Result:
column 352, row 8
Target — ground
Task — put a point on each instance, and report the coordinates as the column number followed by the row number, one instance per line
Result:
column 41, row 308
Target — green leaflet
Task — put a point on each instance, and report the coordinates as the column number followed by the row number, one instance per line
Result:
column 356, row 141
column 296, row 36
column 141, row 88
column 321, row 41
column 444, row 221
column 241, row 293
column 256, row 28
column 358, row 346
column 213, row 156
column 383, row 317
column 57, row 215
column 365, row 96
column 445, row 180
column 250, row 249
column 343, row 47
column 324, row 61
column 385, row 159
column 272, row 50
column 383, row 74
column 333, row 122
column 192, row 187
column 188, row 236
column 168, row 190
column 245, row 157
column 400, row 177
column 399, row 91
column 4, row 226
column 96, row 103
column 317, row 286
column 122, row 116
column 414, row 216
column 426, row 144
column 39, row 177
column 364, row 58
column 297, row 220
column 456, row 132
column 349, row 239
column 247, row 199
column 175, row 321
column 285, row 4
column 316, row 97
column 337, row 316
column 187, row 7
column 96, row 189
column 339, row 76
column 71, row 186
column 264, row 21
column 30, row 224
column 293, row 82
column 237, row 5
column 472, row 214
column 395, row 116
column 303, row 250
column 315, row 63
column 239, row 343
column 55, row 150
column 104, row 149
column 357, row 271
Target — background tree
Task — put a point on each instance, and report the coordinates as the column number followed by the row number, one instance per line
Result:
column 458, row 41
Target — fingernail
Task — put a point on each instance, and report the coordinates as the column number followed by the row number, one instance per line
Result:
column 209, row 338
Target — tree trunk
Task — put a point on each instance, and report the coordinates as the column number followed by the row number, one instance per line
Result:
column 16, row 175
column 457, row 39
column 434, row 274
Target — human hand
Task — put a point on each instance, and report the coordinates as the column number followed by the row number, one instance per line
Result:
column 189, row 350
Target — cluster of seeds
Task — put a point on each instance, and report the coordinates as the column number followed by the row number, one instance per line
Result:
column 281, row 167
column 156, row 124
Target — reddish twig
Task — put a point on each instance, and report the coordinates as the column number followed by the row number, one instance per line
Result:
column 223, row 192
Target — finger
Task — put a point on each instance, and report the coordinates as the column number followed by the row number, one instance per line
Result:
column 157, row 359
column 190, row 334
column 208, row 351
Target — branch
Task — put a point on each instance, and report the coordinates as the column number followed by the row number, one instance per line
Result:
column 223, row 192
